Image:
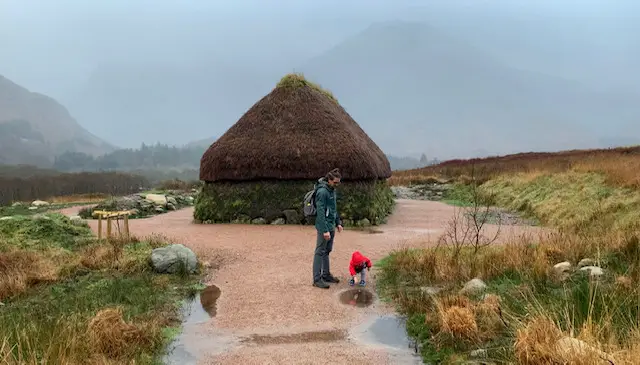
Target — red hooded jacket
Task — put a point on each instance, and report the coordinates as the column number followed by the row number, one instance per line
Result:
column 359, row 262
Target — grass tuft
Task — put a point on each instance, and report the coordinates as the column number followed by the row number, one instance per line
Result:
column 297, row 80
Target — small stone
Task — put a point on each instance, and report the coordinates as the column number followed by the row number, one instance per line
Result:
column 569, row 348
column 479, row 353
column 259, row 221
column 16, row 204
column 159, row 209
column 206, row 264
column 364, row 222
column 594, row 271
column 278, row 221
column 171, row 206
column 473, row 286
column 430, row 290
column 33, row 208
column 1, row 304
column 172, row 200
column 561, row 270
column 6, row 218
column 586, row 262
column 39, row 203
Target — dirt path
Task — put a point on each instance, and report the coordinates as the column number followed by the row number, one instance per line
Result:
column 265, row 278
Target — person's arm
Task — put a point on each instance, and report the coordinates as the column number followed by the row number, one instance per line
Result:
column 352, row 269
column 368, row 263
column 338, row 221
column 321, row 209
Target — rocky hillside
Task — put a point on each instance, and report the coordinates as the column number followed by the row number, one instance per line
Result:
column 34, row 128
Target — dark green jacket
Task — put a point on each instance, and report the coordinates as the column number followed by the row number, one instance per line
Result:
column 327, row 217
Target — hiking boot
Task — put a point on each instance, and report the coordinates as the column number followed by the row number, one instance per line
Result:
column 321, row 284
column 331, row 279
column 362, row 283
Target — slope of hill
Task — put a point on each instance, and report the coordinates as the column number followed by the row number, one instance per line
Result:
column 34, row 128
column 415, row 88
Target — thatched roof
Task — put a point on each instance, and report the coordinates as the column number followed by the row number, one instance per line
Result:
column 297, row 131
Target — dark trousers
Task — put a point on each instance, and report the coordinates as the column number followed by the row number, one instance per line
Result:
column 321, row 256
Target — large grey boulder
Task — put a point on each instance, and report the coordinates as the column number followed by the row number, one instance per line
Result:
column 169, row 259
column 473, row 287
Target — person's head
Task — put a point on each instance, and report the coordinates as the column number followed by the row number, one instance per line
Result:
column 333, row 177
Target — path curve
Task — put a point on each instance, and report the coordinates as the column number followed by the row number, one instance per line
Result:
column 265, row 278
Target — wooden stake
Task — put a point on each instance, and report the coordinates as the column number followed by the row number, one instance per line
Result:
column 99, row 227
column 109, row 228
column 126, row 226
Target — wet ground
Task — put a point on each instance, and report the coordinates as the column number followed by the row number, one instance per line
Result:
column 266, row 310
column 358, row 297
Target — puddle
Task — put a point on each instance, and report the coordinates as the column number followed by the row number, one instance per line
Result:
column 208, row 299
column 388, row 332
column 357, row 297
column 302, row 337
column 193, row 343
column 202, row 306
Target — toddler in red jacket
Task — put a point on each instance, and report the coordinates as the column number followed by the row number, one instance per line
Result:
column 358, row 263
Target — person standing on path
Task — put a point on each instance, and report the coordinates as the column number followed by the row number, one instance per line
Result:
column 327, row 220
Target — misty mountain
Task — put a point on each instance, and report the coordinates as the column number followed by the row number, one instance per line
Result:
column 34, row 128
column 414, row 88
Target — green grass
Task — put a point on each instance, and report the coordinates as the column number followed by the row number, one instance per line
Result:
column 23, row 209
column 459, row 195
column 49, row 230
column 66, row 279
column 569, row 200
column 296, row 80
column 36, row 315
column 595, row 220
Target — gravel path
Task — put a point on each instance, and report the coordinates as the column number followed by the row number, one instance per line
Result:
column 265, row 278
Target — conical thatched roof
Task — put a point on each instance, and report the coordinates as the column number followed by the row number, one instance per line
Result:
column 297, row 131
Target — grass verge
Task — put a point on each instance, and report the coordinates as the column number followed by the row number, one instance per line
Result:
column 532, row 311
column 68, row 299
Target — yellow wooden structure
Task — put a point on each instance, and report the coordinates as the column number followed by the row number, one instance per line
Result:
column 109, row 217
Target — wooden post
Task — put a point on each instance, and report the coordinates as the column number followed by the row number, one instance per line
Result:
column 126, row 226
column 108, row 228
column 99, row 227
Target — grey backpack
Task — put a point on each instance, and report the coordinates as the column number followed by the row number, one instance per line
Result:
column 309, row 202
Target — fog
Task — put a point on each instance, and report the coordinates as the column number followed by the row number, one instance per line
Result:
column 452, row 79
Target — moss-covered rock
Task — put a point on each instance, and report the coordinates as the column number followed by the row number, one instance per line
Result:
column 224, row 202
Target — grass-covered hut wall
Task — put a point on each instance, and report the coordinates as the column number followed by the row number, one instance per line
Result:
column 261, row 168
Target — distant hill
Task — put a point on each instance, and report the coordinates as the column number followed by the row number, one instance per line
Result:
column 414, row 88
column 201, row 143
column 34, row 128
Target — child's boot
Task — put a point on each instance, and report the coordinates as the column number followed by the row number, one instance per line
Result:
column 352, row 282
column 362, row 283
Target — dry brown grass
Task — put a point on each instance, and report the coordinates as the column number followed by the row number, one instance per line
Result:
column 619, row 165
column 457, row 319
column 78, row 198
column 540, row 341
column 459, row 322
column 536, row 342
column 21, row 269
column 110, row 335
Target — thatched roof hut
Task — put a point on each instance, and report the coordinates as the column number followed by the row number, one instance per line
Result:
column 296, row 132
